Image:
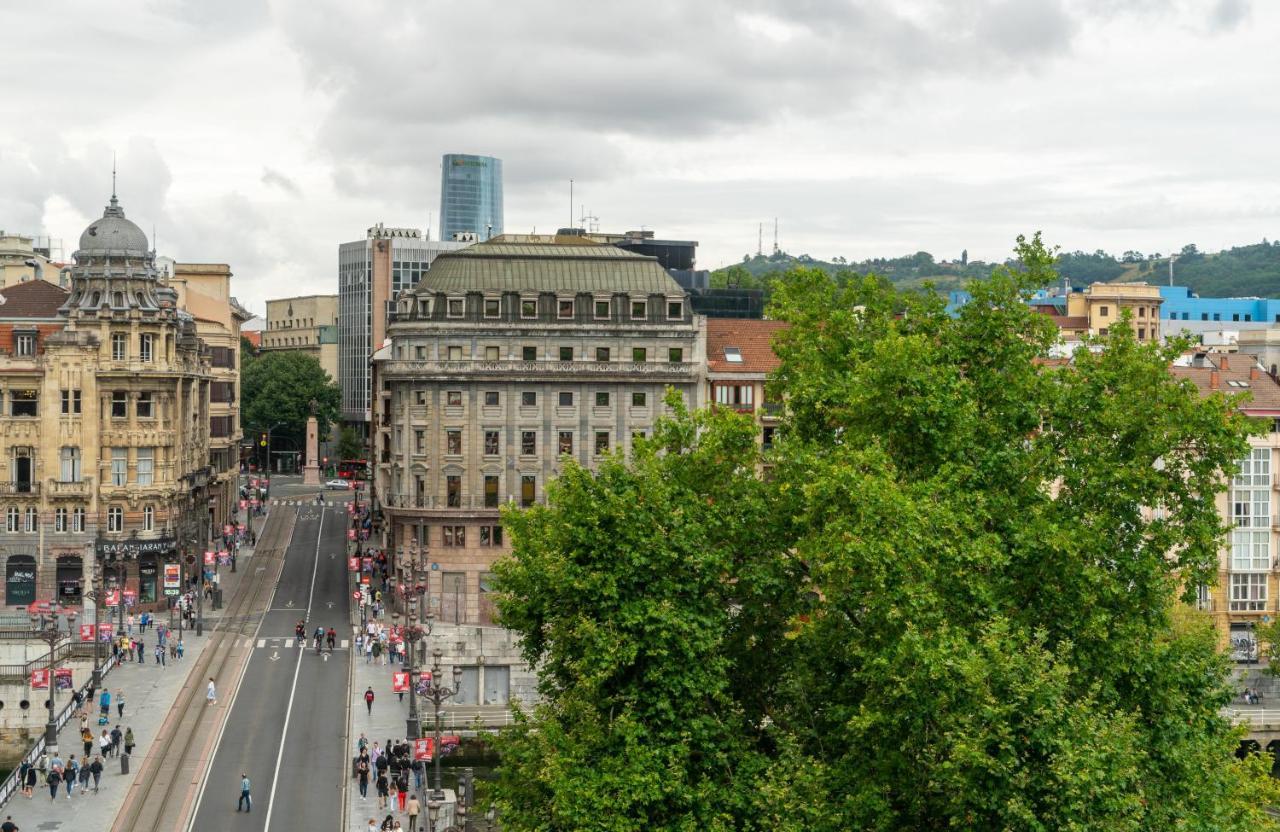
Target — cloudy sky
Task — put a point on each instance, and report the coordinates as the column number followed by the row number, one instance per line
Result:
column 264, row 132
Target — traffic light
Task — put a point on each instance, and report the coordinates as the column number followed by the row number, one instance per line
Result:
column 262, row 440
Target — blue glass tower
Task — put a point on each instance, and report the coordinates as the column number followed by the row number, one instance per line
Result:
column 470, row 196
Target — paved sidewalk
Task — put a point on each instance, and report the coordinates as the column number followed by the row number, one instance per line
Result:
column 150, row 691
column 387, row 721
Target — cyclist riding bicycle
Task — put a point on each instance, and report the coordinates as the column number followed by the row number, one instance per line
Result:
column 300, row 632
column 319, row 638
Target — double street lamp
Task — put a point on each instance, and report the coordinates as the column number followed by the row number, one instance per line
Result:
column 49, row 632
column 437, row 692
column 413, row 633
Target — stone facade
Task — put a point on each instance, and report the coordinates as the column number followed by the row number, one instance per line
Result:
column 104, row 425
column 306, row 324
column 508, row 358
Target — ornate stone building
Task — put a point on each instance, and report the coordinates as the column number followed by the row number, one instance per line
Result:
column 104, row 425
column 509, row 357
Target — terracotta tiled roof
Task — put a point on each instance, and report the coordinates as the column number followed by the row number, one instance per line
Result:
column 254, row 336
column 1237, row 373
column 32, row 299
column 752, row 338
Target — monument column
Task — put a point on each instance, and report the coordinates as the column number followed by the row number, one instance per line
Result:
column 311, row 471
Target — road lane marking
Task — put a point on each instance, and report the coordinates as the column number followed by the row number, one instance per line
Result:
column 293, row 689
column 262, row 642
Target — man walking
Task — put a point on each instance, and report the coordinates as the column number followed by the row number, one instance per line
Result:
column 413, row 808
column 245, row 800
column 368, row 699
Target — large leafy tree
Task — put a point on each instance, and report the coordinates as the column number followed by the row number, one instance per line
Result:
column 278, row 388
column 954, row 604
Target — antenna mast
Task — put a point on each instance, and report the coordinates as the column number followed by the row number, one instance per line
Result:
column 775, row 235
column 570, row 203
column 759, row 239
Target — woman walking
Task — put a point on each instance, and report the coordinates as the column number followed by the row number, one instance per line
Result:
column 128, row 741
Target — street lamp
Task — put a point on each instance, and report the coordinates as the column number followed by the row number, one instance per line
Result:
column 96, row 596
column 414, row 633
column 438, row 693
column 50, row 633
column 433, row 814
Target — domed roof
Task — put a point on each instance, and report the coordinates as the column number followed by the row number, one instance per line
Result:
column 113, row 234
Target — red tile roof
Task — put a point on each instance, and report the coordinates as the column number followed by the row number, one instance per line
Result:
column 254, row 336
column 1236, row 373
column 32, row 299
column 752, row 338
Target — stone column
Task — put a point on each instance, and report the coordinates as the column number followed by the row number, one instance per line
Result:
column 311, row 471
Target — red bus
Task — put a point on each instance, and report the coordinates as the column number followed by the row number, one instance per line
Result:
column 353, row 469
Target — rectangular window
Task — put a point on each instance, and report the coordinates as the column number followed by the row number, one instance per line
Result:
column 766, row 439
column 528, row 489
column 119, row 346
column 491, row 398
column 735, row 395
column 71, row 401
column 148, row 518
column 1249, row 592
column 675, row 309
column 145, row 342
column 146, row 465
column 602, row 353
column 602, row 399
column 453, row 442
column 32, row 523
column 528, row 353
column 639, row 355
column 453, row 398
column 489, row 536
column 24, row 345
column 77, row 520
column 115, row 519
column 420, row 397
column 456, row 307
column 564, row 443
column 566, row 398
column 602, row 442
column 455, row 353
column 528, row 442
column 564, row 309
column 453, row 485
column 1142, row 333
column 528, row 308
column 602, row 309
column 492, row 307
column 491, row 491
column 1142, row 312
column 528, row 398
column 420, row 442
column 420, row 353
column 69, row 464
column 566, row 353
column 639, row 399
column 12, row 519
column 145, row 406
column 119, row 404
column 492, row 354
column 59, row 519
column 22, row 403
column 639, row 309
column 675, row 355
column 491, row 443
column 1104, row 311
column 119, row 466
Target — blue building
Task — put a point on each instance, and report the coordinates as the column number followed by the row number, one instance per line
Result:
column 470, row 196
column 1181, row 304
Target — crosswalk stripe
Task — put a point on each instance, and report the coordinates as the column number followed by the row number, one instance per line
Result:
column 262, row 642
column 345, row 644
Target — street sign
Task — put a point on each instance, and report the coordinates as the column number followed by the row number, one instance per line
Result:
column 171, row 592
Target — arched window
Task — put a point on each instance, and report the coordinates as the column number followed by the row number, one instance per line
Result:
column 148, row 518
column 117, row 300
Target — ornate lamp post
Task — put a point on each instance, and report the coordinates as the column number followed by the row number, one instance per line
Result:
column 437, row 692
column 50, row 633
column 413, row 633
column 96, row 595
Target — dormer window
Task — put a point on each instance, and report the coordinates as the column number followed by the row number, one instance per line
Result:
column 24, row 344
column 424, row 308
column 456, row 307
column 675, row 309
column 117, row 300
column 492, row 307
column 528, row 308
column 733, row 355
column 639, row 309
column 564, row 308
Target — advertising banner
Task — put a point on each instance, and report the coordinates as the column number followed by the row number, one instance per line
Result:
column 353, row 564
column 40, row 679
column 113, row 597
column 244, row 504
column 210, row 558
column 105, row 632
column 424, row 682
column 422, row 748
column 399, row 682
column 351, row 534
column 62, row 678
column 130, row 597
column 86, row 632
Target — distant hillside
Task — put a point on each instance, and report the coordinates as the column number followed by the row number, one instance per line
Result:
column 1241, row 271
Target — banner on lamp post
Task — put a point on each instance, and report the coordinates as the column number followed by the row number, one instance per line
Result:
column 62, row 678
column 210, row 558
column 399, row 682
column 40, row 678
column 86, row 632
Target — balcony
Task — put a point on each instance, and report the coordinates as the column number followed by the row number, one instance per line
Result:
column 20, row 489
column 431, row 501
column 80, row 489
column 656, row 370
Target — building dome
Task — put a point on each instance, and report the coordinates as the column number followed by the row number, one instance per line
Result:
column 113, row 235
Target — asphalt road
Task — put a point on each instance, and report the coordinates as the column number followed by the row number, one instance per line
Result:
column 287, row 725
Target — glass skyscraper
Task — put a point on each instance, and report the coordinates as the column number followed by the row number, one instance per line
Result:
column 470, row 196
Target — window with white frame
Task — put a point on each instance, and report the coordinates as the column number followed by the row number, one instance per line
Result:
column 146, row 465
column 119, row 466
column 145, row 342
column 1251, row 531
column 24, row 345
column 1249, row 591
column 69, row 464
column 119, row 346
column 77, row 519
column 456, row 307
column 115, row 519
column 29, row 524
column 12, row 519
column 735, row 395
column 148, row 518
column 59, row 519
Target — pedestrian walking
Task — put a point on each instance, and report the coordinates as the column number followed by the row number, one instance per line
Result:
column 119, row 702
column 159, row 655
column 32, row 775
column 104, row 703
column 413, row 808
column 104, row 744
column 245, row 799
column 95, row 769
column 128, row 741
column 384, row 790
column 130, row 624
column 84, row 776
column 402, row 789
column 8, row 825
column 22, row 778
column 362, row 776
column 142, row 651
column 116, row 738
column 211, row 695
column 71, row 774
column 86, row 737
column 368, row 700
column 53, row 780
column 180, row 648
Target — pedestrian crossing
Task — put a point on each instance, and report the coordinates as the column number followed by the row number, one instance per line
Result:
column 277, row 643
column 311, row 502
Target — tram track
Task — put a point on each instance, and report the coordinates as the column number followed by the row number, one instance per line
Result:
column 162, row 797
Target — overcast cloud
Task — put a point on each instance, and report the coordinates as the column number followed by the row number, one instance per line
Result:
column 265, row 133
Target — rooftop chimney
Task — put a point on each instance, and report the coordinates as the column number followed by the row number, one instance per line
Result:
column 1224, row 362
column 1213, row 379
column 1255, row 373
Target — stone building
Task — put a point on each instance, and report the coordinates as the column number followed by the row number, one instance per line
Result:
column 104, row 424
column 307, row 324
column 509, row 357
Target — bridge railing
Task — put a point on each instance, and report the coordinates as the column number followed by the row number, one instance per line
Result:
column 1254, row 716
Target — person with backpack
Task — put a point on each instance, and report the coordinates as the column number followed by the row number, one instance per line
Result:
column 53, row 780
column 128, row 741
column 104, row 703
column 86, row 737
column 384, row 789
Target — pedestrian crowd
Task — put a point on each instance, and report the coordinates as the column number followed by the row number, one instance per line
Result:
column 380, row 644
column 390, row 768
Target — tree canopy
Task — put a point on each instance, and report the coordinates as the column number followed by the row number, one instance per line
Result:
column 949, row 606
column 277, row 388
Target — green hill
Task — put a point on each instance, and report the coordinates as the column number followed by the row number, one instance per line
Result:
column 1250, row 270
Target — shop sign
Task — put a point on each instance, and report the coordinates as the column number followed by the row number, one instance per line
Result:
column 133, row 548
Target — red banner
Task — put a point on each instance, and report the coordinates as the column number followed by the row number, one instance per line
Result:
column 422, row 748
column 228, row 529
column 399, row 682
column 86, row 632
column 210, row 558
column 244, row 504
column 40, row 679
column 113, row 597
column 353, row 564
column 351, row 534
column 358, row 596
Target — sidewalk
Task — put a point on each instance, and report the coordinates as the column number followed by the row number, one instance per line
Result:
column 150, row 691
column 387, row 721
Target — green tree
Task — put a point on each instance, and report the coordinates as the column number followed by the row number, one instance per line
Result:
column 277, row 388
column 349, row 446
